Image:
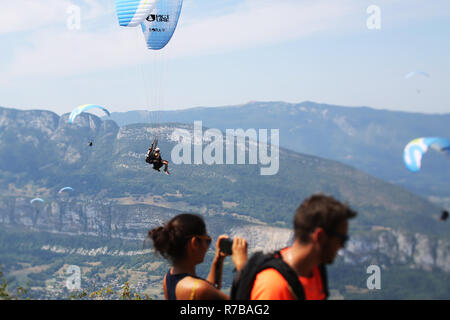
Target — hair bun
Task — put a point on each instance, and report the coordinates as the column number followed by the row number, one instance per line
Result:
column 155, row 233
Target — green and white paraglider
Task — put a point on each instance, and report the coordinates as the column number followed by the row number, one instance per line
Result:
column 83, row 108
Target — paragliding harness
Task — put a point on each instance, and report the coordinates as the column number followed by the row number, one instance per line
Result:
column 243, row 282
column 150, row 156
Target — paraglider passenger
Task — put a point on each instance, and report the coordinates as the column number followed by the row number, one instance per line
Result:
column 154, row 157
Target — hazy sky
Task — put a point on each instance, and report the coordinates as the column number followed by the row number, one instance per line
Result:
column 228, row 52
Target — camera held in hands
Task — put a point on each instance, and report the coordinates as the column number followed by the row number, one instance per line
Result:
column 225, row 246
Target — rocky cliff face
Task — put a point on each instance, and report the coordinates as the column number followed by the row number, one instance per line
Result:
column 381, row 246
column 83, row 217
column 389, row 247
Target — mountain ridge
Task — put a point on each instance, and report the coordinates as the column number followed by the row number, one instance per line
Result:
column 116, row 163
column 369, row 139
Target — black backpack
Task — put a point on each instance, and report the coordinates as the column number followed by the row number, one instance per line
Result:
column 243, row 281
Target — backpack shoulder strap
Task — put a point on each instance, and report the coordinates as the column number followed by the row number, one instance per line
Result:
column 288, row 274
column 243, row 281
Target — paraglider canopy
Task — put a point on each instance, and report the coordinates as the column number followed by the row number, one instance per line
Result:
column 65, row 189
column 414, row 150
column 416, row 73
column 418, row 76
column 131, row 13
column 158, row 27
column 36, row 200
column 84, row 108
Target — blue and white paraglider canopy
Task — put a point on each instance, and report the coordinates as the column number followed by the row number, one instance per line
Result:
column 159, row 26
column 414, row 150
column 131, row 13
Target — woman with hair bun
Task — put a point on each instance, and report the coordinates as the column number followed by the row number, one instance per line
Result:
column 184, row 242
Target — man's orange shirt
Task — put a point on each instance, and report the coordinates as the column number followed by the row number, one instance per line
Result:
column 270, row 285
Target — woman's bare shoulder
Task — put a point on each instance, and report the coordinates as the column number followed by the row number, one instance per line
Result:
column 198, row 289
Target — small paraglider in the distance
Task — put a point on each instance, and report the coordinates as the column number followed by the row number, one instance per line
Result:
column 38, row 204
column 37, row 200
column 65, row 189
column 444, row 215
column 416, row 77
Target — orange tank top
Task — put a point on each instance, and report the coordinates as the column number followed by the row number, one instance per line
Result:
column 269, row 284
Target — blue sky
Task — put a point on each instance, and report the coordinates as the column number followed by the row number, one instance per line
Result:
column 228, row 52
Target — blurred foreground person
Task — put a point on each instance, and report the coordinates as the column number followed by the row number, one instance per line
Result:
column 298, row 271
column 184, row 241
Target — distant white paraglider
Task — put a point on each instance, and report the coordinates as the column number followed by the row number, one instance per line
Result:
column 416, row 73
column 416, row 76
column 65, row 189
column 37, row 200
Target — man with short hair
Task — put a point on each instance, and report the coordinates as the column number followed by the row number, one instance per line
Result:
column 298, row 271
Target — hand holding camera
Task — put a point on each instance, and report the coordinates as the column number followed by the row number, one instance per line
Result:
column 237, row 248
column 226, row 246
